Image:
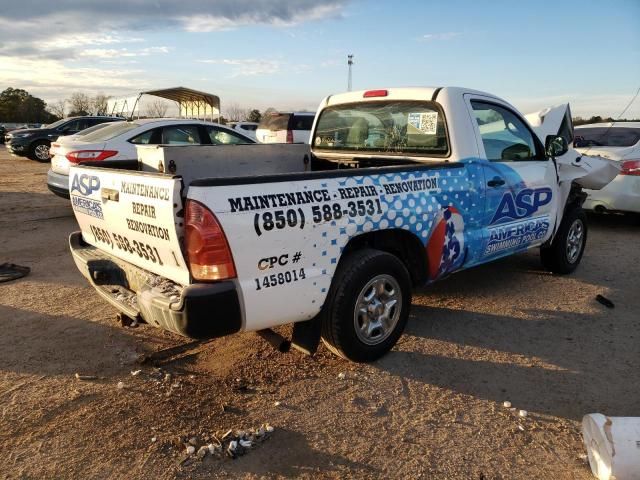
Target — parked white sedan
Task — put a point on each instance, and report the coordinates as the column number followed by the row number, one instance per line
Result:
column 118, row 141
column 620, row 142
column 74, row 138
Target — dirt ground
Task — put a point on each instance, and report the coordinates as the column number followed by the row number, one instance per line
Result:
column 432, row 408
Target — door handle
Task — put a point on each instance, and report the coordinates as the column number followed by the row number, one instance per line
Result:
column 495, row 182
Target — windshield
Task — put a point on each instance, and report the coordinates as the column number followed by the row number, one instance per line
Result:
column 58, row 123
column 383, row 126
column 275, row 121
column 606, row 137
column 110, row 131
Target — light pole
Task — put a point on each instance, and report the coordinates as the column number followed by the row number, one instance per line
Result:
column 350, row 63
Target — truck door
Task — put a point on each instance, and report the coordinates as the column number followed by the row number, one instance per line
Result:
column 521, row 183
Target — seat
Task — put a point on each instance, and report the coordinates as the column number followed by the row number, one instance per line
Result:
column 358, row 133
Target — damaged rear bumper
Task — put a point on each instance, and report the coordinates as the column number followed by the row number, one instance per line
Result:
column 204, row 310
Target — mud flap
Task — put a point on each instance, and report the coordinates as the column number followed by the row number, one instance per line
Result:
column 306, row 335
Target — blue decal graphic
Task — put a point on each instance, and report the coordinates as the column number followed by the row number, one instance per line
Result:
column 524, row 204
column 438, row 206
column 87, row 206
column 85, row 184
column 516, row 234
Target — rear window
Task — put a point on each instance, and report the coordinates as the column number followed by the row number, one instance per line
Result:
column 89, row 130
column 251, row 128
column 383, row 126
column 58, row 123
column 606, row 137
column 302, row 122
column 275, row 121
column 110, row 131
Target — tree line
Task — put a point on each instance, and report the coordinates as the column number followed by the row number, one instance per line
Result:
column 19, row 106
column 599, row 119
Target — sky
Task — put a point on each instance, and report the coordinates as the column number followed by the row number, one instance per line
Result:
column 290, row 54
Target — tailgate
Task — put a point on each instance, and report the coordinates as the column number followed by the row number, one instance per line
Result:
column 134, row 216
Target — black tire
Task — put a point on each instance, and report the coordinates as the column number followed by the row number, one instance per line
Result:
column 560, row 257
column 36, row 151
column 339, row 319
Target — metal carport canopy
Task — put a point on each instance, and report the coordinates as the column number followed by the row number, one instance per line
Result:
column 191, row 102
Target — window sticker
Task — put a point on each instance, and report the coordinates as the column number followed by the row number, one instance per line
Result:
column 425, row 123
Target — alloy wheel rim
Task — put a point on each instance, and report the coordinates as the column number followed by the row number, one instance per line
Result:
column 42, row 152
column 377, row 310
column 575, row 239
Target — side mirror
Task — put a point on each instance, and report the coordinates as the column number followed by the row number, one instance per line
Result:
column 556, row 146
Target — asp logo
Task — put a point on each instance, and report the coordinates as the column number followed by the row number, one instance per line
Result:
column 85, row 184
column 523, row 204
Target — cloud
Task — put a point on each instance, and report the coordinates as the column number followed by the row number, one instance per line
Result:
column 70, row 40
column 61, row 78
column 440, row 36
column 47, row 29
column 98, row 46
column 83, row 39
column 64, row 47
column 290, row 17
column 110, row 53
column 332, row 62
column 251, row 67
column 248, row 67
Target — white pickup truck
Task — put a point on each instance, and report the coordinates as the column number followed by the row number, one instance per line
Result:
column 400, row 187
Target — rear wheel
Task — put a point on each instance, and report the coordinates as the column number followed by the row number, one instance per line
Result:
column 565, row 252
column 367, row 307
column 39, row 151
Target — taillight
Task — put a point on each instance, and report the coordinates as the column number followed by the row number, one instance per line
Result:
column 289, row 136
column 208, row 251
column 630, row 167
column 375, row 93
column 78, row 156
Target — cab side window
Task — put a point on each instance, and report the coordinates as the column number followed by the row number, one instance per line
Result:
column 505, row 136
column 180, row 135
column 225, row 137
column 144, row 138
column 71, row 127
column 84, row 123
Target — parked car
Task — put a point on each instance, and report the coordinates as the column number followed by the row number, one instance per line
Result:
column 280, row 127
column 76, row 136
column 246, row 128
column 35, row 142
column 332, row 240
column 619, row 142
column 118, row 142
